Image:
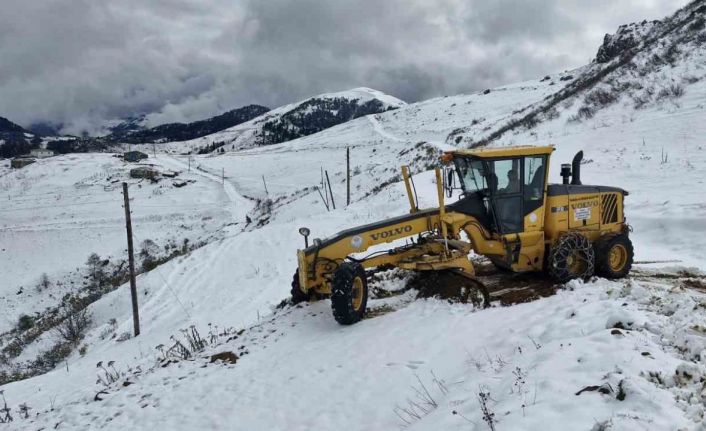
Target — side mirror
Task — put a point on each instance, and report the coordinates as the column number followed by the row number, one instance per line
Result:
column 305, row 233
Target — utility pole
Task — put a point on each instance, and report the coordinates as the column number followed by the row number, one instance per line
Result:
column 348, row 176
column 131, row 260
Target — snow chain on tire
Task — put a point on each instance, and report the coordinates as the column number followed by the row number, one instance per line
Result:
column 571, row 257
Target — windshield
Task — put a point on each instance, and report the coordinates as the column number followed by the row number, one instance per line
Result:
column 472, row 174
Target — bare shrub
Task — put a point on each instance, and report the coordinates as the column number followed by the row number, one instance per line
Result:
column 488, row 415
column 584, row 113
column 672, row 54
column 148, row 253
column 416, row 408
column 5, row 416
column 640, row 101
column 600, row 98
column 107, row 374
column 76, row 320
column 698, row 24
column 44, row 282
column 674, row 91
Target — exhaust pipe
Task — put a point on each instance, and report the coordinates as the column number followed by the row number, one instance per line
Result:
column 576, row 169
column 565, row 173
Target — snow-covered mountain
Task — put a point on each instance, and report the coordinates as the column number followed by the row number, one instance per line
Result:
column 7, row 126
column 596, row 355
column 133, row 131
column 296, row 120
column 14, row 140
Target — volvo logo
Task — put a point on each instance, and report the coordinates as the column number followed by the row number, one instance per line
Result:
column 392, row 232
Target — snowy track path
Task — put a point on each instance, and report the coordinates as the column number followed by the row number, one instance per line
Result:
column 239, row 207
column 387, row 135
column 382, row 132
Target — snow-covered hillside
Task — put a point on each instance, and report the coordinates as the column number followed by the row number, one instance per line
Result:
column 294, row 120
column 597, row 355
column 58, row 211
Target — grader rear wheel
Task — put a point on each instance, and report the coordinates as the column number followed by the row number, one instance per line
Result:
column 572, row 257
column 349, row 293
column 614, row 256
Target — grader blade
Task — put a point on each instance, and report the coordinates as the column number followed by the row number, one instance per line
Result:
column 452, row 285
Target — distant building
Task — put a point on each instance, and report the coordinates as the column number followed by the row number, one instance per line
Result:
column 144, row 172
column 41, row 153
column 19, row 163
column 134, row 156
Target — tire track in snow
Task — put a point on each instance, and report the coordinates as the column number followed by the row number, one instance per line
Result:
column 385, row 134
column 380, row 131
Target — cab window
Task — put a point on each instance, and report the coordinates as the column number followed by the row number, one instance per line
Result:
column 508, row 176
column 534, row 177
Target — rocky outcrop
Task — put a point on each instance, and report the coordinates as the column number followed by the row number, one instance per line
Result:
column 626, row 37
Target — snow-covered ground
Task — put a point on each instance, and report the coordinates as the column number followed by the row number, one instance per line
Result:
column 598, row 355
column 58, row 211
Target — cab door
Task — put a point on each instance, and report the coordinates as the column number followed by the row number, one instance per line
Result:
column 519, row 209
column 507, row 195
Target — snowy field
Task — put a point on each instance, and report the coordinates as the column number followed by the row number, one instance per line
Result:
column 59, row 210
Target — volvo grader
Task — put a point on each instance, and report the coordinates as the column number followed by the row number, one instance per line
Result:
column 507, row 211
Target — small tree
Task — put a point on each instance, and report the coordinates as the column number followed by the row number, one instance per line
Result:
column 95, row 270
column 148, row 253
column 25, row 322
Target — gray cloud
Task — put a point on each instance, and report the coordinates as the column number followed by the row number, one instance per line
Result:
column 82, row 62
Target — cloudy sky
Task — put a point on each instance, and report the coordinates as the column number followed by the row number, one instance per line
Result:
column 82, row 62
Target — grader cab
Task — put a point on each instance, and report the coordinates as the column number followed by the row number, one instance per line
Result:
column 506, row 212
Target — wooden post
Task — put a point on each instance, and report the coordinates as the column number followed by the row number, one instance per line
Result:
column 131, row 260
column 265, row 184
column 333, row 204
column 348, row 176
column 189, row 163
column 322, row 198
column 154, row 150
column 223, row 176
column 323, row 186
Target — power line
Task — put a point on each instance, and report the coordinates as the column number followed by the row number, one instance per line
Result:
column 156, row 269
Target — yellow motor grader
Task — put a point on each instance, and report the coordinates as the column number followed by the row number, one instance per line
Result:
column 506, row 212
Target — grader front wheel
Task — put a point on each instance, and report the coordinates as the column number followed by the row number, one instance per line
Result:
column 349, row 293
column 297, row 294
